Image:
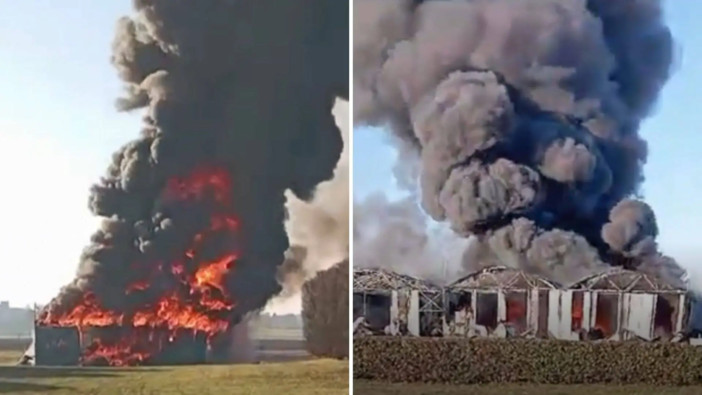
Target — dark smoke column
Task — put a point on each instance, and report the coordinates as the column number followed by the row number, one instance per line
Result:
column 245, row 86
column 525, row 115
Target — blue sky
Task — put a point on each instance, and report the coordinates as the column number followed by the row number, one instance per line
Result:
column 58, row 129
column 673, row 185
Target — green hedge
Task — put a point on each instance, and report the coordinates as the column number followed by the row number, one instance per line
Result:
column 325, row 312
column 475, row 361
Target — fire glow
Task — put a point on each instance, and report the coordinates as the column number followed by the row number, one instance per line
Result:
column 191, row 291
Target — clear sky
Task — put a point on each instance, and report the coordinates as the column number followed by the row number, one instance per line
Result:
column 58, row 129
column 673, row 185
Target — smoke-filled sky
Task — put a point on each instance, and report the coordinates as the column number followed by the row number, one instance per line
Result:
column 673, row 177
column 58, row 130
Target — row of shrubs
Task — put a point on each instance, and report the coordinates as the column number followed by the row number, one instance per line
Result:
column 478, row 361
column 325, row 312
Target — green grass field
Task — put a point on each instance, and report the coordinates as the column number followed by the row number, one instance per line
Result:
column 379, row 388
column 319, row 376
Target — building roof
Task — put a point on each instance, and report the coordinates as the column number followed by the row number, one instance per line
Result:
column 368, row 280
column 619, row 279
column 502, row 277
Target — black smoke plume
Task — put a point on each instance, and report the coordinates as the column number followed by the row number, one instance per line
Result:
column 240, row 85
column 525, row 116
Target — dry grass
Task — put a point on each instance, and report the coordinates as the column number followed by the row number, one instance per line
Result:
column 379, row 388
column 9, row 357
column 309, row 377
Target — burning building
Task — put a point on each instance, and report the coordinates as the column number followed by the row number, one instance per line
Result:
column 618, row 304
column 238, row 100
column 478, row 303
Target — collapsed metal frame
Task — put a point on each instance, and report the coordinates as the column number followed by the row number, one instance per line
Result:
column 500, row 283
column 405, row 293
column 629, row 287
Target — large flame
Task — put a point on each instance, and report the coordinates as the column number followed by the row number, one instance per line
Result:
column 196, row 297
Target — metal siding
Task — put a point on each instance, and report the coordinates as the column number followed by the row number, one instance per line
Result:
column 554, row 310
column 501, row 307
column 413, row 314
column 638, row 314
column 681, row 314
column 56, row 346
column 566, row 317
column 587, row 299
column 394, row 312
column 624, row 312
column 533, row 311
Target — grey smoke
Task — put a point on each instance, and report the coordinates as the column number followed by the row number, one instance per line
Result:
column 525, row 117
column 318, row 229
column 398, row 236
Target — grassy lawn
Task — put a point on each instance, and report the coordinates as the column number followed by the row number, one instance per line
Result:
column 380, row 388
column 308, row 377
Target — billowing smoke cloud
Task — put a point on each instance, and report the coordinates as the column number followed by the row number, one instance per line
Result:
column 318, row 229
column 525, row 117
column 238, row 97
column 398, row 236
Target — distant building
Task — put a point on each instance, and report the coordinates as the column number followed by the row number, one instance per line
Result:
column 15, row 322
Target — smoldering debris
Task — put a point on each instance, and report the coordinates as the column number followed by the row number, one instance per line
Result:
column 238, row 97
column 524, row 116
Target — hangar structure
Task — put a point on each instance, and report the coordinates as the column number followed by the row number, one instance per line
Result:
column 618, row 304
column 68, row 346
column 393, row 304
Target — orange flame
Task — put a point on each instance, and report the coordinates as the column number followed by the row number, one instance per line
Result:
column 199, row 301
column 576, row 317
column 213, row 273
